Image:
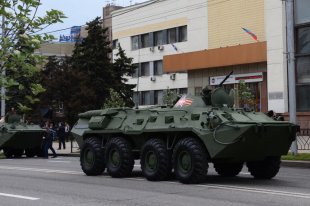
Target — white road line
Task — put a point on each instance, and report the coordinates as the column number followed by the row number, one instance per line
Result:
column 257, row 190
column 19, row 196
column 59, row 161
column 41, row 170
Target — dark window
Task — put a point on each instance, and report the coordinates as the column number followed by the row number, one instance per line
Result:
column 158, row 67
column 158, row 38
column 303, row 70
column 303, row 40
column 136, row 70
column 182, row 33
column 145, row 40
column 145, row 69
column 158, row 97
column 135, row 42
column 145, row 98
column 115, row 43
column 303, row 98
column 172, row 35
column 198, row 91
column 302, row 13
column 183, row 91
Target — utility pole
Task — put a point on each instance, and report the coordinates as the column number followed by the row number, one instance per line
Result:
column 291, row 65
column 3, row 73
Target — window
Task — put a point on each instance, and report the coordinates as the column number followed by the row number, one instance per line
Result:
column 183, row 91
column 182, row 33
column 303, row 40
column 158, row 97
column 303, row 98
column 158, row 38
column 135, row 42
column 144, row 40
column 115, row 44
column 145, row 98
column 302, row 13
column 172, row 35
column 136, row 71
column 145, row 69
column 303, row 70
column 198, row 91
column 158, row 67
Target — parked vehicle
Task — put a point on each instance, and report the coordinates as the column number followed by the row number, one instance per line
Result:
column 196, row 131
column 18, row 138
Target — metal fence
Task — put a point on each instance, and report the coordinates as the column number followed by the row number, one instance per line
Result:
column 303, row 139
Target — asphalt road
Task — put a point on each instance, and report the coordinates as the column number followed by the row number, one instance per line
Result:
column 60, row 181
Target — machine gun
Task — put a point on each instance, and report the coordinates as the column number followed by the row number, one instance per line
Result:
column 222, row 82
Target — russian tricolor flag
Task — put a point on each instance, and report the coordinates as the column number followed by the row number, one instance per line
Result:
column 250, row 33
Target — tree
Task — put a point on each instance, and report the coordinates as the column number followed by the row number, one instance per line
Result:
column 115, row 100
column 169, row 96
column 245, row 96
column 20, row 38
column 122, row 68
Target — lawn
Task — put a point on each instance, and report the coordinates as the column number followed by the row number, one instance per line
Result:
column 300, row 156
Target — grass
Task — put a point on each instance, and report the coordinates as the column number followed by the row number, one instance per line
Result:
column 300, row 157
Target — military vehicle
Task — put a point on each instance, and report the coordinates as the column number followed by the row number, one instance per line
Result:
column 17, row 138
column 196, row 131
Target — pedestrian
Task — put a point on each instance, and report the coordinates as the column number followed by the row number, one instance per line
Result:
column 48, row 138
column 61, row 136
column 67, row 130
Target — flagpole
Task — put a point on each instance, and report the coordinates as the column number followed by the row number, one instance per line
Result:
column 3, row 73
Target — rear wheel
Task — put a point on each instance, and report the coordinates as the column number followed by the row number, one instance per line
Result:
column 155, row 160
column 92, row 157
column 8, row 152
column 30, row 152
column 119, row 157
column 228, row 169
column 265, row 169
column 190, row 161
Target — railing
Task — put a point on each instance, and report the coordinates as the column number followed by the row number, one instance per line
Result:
column 303, row 139
column 74, row 144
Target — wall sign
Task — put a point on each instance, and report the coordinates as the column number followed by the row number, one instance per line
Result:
column 234, row 79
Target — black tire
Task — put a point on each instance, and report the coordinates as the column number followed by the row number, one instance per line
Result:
column 155, row 160
column 265, row 169
column 18, row 153
column 119, row 157
column 8, row 152
column 228, row 169
column 30, row 152
column 190, row 161
column 92, row 157
column 39, row 152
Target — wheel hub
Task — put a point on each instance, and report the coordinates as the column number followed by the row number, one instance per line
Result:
column 185, row 163
column 151, row 160
column 114, row 158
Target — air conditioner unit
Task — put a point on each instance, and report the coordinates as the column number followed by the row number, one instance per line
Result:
column 172, row 76
column 153, row 78
column 161, row 47
column 152, row 49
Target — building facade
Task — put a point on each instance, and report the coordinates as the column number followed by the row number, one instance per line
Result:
column 153, row 29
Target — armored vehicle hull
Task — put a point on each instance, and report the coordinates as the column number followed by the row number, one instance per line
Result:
column 17, row 139
column 184, row 138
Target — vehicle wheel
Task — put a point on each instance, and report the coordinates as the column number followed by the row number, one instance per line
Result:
column 31, row 152
column 155, row 160
column 8, row 152
column 18, row 153
column 39, row 152
column 119, row 158
column 190, row 161
column 92, row 157
column 228, row 169
column 266, row 169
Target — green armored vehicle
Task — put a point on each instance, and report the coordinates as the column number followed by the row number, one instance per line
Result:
column 17, row 138
column 197, row 131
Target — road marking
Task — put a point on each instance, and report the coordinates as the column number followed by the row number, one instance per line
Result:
column 244, row 173
column 19, row 196
column 59, row 161
column 41, row 170
column 257, row 190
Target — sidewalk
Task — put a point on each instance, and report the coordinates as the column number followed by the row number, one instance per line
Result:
column 74, row 152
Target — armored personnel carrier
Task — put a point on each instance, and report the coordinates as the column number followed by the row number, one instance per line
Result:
column 196, row 131
column 17, row 138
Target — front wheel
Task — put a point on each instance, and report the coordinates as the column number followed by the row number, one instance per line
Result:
column 190, row 161
column 265, row 169
column 92, row 157
column 119, row 158
column 30, row 152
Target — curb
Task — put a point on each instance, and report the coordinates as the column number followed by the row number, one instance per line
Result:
column 291, row 163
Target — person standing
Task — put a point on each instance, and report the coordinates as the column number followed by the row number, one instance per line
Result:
column 48, row 140
column 61, row 136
